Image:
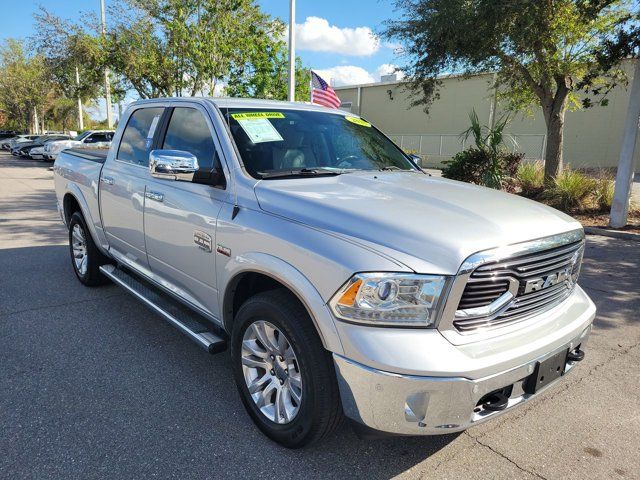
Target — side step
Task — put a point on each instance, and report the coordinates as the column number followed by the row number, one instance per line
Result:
column 180, row 316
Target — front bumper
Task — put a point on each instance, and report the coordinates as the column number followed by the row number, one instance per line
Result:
column 415, row 405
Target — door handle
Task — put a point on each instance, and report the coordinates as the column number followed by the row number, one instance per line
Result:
column 157, row 196
column 107, row 180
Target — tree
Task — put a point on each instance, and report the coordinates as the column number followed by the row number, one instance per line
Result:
column 25, row 87
column 68, row 46
column 190, row 47
column 266, row 74
column 545, row 52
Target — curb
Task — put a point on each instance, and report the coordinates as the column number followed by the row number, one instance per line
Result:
column 604, row 232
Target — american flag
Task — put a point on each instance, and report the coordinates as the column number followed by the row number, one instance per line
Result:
column 322, row 93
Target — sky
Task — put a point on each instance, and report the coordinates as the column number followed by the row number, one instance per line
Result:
column 336, row 38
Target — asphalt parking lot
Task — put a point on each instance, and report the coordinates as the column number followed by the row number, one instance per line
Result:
column 94, row 385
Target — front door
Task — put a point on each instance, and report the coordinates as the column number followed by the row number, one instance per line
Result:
column 180, row 217
column 122, row 187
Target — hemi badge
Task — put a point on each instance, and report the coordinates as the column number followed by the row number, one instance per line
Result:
column 223, row 250
column 202, row 240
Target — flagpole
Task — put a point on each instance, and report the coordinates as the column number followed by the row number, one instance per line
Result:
column 311, row 85
column 292, row 50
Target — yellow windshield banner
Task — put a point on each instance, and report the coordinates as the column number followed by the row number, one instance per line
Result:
column 254, row 115
column 358, row 121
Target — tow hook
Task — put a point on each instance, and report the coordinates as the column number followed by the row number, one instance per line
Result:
column 576, row 355
column 496, row 402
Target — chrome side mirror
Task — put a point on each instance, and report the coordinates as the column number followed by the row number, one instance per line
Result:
column 173, row 165
column 416, row 159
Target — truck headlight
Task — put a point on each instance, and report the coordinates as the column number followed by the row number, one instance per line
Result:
column 391, row 299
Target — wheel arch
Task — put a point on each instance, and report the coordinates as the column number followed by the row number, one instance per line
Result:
column 73, row 200
column 267, row 272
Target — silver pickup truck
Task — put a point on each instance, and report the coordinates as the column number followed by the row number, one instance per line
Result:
column 343, row 279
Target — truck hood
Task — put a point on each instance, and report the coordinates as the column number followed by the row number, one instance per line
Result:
column 429, row 224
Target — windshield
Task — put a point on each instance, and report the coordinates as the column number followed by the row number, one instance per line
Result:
column 81, row 136
column 276, row 141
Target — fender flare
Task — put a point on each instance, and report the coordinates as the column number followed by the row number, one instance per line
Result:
column 291, row 278
column 73, row 190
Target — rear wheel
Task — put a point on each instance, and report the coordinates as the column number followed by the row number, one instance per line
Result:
column 85, row 256
column 285, row 377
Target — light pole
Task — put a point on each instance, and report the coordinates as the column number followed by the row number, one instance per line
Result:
column 80, row 119
column 292, row 50
column 624, row 176
column 107, row 87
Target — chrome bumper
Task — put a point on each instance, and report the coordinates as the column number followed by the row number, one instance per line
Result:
column 421, row 405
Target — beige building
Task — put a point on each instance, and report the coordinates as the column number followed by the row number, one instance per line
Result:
column 592, row 136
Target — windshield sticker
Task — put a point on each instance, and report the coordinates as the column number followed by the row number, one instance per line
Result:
column 358, row 121
column 260, row 130
column 248, row 115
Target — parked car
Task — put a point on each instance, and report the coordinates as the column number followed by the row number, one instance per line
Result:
column 10, row 143
column 23, row 149
column 88, row 139
column 343, row 279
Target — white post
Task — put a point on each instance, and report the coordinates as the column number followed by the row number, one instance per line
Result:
column 107, row 86
column 292, row 50
column 36, row 123
column 80, row 119
column 624, row 177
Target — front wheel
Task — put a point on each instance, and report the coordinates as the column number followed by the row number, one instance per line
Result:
column 285, row 377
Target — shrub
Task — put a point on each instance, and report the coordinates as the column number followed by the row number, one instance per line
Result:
column 487, row 163
column 570, row 190
column 603, row 193
column 530, row 176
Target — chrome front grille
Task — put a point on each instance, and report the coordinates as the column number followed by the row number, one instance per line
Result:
column 506, row 290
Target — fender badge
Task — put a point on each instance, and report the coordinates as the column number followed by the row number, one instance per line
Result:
column 202, row 240
column 223, row 250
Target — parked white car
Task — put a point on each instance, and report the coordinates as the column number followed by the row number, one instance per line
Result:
column 88, row 139
column 11, row 143
column 37, row 153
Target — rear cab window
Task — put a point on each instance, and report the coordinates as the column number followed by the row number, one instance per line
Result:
column 137, row 137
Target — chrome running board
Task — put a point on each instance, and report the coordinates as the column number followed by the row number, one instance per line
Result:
column 178, row 315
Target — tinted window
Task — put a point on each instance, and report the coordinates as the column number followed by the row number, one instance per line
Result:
column 284, row 140
column 138, row 135
column 99, row 137
column 188, row 131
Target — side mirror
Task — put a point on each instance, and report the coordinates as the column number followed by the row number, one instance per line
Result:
column 416, row 159
column 173, row 165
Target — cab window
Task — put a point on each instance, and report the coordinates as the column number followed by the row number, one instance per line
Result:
column 188, row 131
column 137, row 137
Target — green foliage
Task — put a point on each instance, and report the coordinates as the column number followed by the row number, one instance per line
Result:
column 530, row 176
column 571, row 189
column 545, row 53
column 487, row 163
column 68, row 46
column 24, row 85
column 199, row 47
column 603, row 193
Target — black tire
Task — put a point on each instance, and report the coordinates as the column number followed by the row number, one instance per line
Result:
column 91, row 277
column 320, row 411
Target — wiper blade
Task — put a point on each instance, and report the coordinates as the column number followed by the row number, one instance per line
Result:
column 301, row 172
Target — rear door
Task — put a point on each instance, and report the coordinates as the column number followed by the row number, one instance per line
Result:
column 180, row 217
column 122, row 187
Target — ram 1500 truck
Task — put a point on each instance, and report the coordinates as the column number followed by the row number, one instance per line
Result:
column 344, row 279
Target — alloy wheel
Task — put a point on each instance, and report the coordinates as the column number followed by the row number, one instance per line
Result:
column 271, row 372
column 79, row 247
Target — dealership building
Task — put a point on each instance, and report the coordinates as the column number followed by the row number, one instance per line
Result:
column 592, row 136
